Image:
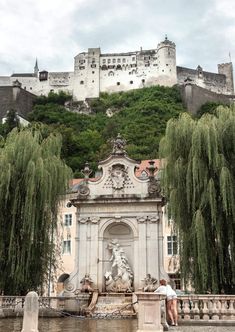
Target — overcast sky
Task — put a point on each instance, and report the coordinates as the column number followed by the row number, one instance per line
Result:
column 54, row 31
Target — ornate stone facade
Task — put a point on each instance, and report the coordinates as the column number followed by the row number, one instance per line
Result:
column 119, row 236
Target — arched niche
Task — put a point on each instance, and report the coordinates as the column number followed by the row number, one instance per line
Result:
column 123, row 233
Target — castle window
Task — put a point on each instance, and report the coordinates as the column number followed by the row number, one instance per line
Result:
column 81, row 67
column 133, row 58
column 143, row 80
column 30, row 88
column 118, row 83
column 119, row 67
column 162, row 70
column 167, row 64
column 109, row 60
column 93, row 72
column 104, row 60
column 93, row 66
column 93, row 60
column 111, row 73
column 118, row 60
column 114, row 60
column 123, row 60
column 93, row 81
column 131, row 82
column 104, row 67
column 81, row 82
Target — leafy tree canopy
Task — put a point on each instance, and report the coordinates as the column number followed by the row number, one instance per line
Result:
column 199, row 181
column 32, row 178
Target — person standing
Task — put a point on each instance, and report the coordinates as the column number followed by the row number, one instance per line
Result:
column 171, row 301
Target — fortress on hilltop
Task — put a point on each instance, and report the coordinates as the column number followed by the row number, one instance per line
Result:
column 95, row 72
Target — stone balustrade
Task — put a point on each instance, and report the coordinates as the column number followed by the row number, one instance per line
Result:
column 11, row 306
column 206, row 308
column 191, row 308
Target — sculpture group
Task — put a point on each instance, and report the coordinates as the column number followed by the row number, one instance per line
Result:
column 120, row 276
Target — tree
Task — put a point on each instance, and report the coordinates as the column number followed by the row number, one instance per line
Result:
column 32, row 178
column 199, row 181
column 11, row 122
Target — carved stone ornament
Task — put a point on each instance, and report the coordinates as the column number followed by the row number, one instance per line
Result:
column 154, row 187
column 83, row 190
column 94, row 220
column 154, row 219
column 118, row 175
column 150, row 283
column 141, row 220
column 118, row 145
column 69, row 286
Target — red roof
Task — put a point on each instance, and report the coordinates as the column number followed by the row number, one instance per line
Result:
column 143, row 166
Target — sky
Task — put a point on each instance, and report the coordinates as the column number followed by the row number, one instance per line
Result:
column 54, row 31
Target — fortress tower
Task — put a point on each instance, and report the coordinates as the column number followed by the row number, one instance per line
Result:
column 166, row 62
column 227, row 70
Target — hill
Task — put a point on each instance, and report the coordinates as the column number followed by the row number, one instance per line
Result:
column 140, row 116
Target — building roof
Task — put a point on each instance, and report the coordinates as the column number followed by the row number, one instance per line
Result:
column 23, row 75
column 143, row 167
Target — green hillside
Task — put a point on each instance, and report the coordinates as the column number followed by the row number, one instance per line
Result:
column 139, row 115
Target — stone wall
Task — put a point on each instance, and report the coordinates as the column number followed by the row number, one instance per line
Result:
column 207, row 80
column 15, row 98
column 194, row 97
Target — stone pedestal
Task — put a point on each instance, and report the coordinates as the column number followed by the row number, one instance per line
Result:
column 31, row 307
column 149, row 312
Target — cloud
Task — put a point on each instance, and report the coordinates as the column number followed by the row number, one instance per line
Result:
column 55, row 31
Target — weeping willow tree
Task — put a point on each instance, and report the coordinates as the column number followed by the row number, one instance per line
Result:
column 199, row 181
column 32, row 176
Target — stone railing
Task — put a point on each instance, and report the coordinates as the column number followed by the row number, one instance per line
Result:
column 206, row 308
column 11, row 306
column 191, row 308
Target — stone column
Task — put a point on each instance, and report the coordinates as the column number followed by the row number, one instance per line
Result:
column 142, row 254
column 31, row 307
column 149, row 312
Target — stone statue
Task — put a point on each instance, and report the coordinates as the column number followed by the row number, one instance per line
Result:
column 150, row 283
column 118, row 145
column 120, row 278
column 86, row 283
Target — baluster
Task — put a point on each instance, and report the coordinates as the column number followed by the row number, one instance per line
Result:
column 205, row 310
column 215, row 311
column 223, row 310
column 196, row 310
column 187, row 310
column 231, row 310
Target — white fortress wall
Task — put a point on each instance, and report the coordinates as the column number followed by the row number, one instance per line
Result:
column 113, row 72
column 5, row 80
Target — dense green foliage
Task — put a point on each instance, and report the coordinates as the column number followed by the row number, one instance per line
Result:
column 12, row 121
column 139, row 115
column 32, row 177
column 199, row 181
column 209, row 107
